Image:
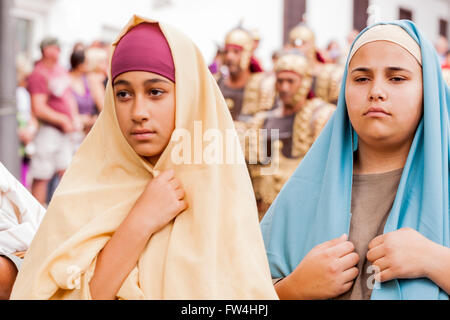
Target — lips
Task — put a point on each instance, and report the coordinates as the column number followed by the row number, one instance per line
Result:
column 376, row 111
column 142, row 131
column 142, row 134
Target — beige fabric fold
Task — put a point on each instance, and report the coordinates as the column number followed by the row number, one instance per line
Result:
column 213, row 250
column 391, row 33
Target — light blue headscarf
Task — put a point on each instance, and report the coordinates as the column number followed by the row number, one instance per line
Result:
column 314, row 205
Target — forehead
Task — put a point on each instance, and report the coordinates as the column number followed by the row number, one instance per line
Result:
column 51, row 47
column 232, row 48
column 383, row 53
column 287, row 75
column 140, row 76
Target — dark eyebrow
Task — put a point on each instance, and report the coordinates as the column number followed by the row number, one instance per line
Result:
column 116, row 83
column 153, row 80
column 364, row 69
column 398, row 69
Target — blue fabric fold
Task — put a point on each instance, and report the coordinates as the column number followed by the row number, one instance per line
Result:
column 314, row 205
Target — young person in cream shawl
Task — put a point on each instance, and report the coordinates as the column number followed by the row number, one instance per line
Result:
column 108, row 234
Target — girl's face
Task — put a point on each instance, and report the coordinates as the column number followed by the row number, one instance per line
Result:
column 384, row 94
column 145, row 108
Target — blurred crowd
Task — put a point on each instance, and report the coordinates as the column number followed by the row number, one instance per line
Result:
column 56, row 108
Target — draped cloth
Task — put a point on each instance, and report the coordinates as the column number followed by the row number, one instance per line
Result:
column 212, row 250
column 314, row 205
column 20, row 214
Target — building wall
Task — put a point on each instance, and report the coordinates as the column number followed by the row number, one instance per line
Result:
column 426, row 14
column 205, row 21
column 330, row 19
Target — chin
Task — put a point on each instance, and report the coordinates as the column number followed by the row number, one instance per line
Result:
column 148, row 152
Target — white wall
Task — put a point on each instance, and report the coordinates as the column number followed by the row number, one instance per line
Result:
column 426, row 13
column 205, row 21
column 208, row 21
column 330, row 19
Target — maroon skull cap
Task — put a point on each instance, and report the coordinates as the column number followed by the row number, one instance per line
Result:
column 143, row 48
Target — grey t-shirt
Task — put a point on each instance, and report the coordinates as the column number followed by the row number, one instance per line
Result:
column 372, row 198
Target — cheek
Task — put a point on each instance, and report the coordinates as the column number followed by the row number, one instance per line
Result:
column 277, row 86
column 123, row 119
column 409, row 113
column 354, row 98
column 166, row 117
column 296, row 88
column 408, row 105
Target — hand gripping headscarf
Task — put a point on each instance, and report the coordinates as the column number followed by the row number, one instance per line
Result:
column 213, row 250
column 314, row 205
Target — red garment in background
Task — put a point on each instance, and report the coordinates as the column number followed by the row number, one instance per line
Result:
column 55, row 83
column 319, row 57
column 255, row 66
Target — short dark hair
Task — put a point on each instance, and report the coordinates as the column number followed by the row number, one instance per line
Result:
column 77, row 58
column 48, row 41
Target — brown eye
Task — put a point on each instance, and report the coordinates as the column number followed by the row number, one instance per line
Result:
column 398, row 79
column 156, row 92
column 362, row 79
column 123, row 95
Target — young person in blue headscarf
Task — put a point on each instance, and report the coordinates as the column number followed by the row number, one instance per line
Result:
column 366, row 213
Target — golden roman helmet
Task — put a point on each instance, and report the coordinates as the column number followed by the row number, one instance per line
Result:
column 255, row 34
column 292, row 62
column 242, row 38
column 302, row 34
column 295, row 62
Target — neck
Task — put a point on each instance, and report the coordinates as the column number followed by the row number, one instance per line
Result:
column 153, row 159
column 370, row 160
column 76, row 73
column 291, row 109
column 49, row 63
column 238, row 80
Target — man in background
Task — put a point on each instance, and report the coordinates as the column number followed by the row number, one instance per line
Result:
column 54, row 106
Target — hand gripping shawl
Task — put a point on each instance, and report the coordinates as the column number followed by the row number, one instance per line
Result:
column 213, row 250
column 314, row 205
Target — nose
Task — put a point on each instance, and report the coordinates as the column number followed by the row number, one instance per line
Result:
column 139, row 111
column 284, row 87
column 377, row 92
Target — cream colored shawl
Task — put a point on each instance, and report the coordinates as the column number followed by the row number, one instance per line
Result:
column 213, row 250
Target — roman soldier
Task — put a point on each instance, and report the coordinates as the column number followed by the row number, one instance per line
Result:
column 326, row 76
column 298, row 120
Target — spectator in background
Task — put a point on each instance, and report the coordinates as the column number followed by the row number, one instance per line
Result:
column 20, row 216
column 275, row 57
column 255, row 64
column 441, row 47
column 54, row 106
column 351, row 36
column 446, row 68
column 333, row 52
column 97, row 76
column 78, row 46
column 217, row 67
column 27, row 123
column 81, row 91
